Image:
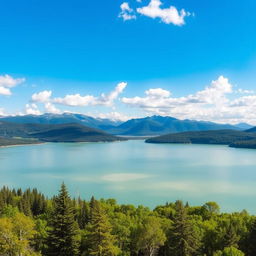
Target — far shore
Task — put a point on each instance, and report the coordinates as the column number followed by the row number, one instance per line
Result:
column 25, row 144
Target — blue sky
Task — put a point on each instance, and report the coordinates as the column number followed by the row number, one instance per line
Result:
column 168, row 56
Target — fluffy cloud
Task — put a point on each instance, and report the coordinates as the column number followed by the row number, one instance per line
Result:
column 7, row 82
column 5, row 91
column 153, row 10
column 77, row 100
column 158, row 93
column 210, row 104
column 42, row 97
column 32, row 109
column 50, row 108
column 86, row 100
column 127, row 13
column 115, row 116
column 167, row 15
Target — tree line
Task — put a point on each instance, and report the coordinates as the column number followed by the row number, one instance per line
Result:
column 33, row 225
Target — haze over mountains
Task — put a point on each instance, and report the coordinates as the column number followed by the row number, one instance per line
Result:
column 148, row 126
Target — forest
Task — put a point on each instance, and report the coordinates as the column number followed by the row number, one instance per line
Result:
column 32, row 225
column 239, row 139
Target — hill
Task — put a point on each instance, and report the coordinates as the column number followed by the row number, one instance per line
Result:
column 223, row 137
column 157, row 125
column 54, row 132
column 73, row 133
column 251, row 144
column 251, row 130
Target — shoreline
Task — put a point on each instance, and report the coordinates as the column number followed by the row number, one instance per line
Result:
column 17, row 145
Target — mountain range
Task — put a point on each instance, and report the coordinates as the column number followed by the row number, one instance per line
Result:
column 148, row 126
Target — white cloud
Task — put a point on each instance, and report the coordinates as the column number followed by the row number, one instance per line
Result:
column 2, row 112
column 167, row 15
column 158, row 93
column 5, row 91
column 32, row 109
column 114, row 116
column 127, row 13
column 7, row 82
column 103, row 100
column 42, row 97
column 50, row 108
column 125, row 7
column 210, row 104
column 75, row 100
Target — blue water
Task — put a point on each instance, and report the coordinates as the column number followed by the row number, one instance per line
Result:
column 136, row 172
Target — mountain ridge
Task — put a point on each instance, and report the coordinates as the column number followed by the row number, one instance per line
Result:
column 147, row 126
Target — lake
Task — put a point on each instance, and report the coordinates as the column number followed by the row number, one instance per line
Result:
column 136, row 172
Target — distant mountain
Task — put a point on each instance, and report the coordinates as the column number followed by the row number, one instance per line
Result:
column 224, row 137
column 148, row 126
column 244, row 126
column 157, row 125
column 54, row 132
column 65, row 118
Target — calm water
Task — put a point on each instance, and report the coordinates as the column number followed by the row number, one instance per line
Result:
column 136, row 172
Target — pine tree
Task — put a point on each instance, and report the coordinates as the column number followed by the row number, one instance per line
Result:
column 83, row 215
column 100, row 240
column 231, row 238
column 183, row 238
column 252, row 240
column 62, row 237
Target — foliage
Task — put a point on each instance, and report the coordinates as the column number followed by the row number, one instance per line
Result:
column 16, row 234
column 229, row 251
column 31, row 224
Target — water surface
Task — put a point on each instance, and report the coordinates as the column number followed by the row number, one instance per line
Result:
column 136, row 172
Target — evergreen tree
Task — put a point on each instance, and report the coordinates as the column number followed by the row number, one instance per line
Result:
column 252, row 240
column 63, row 234
column 83, row 215
column 100, row 240
column 231, row 238
column 183, row 238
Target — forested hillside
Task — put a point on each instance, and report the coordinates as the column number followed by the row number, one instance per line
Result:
column 221, row 137
column 71, row 132
column 31, row 224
